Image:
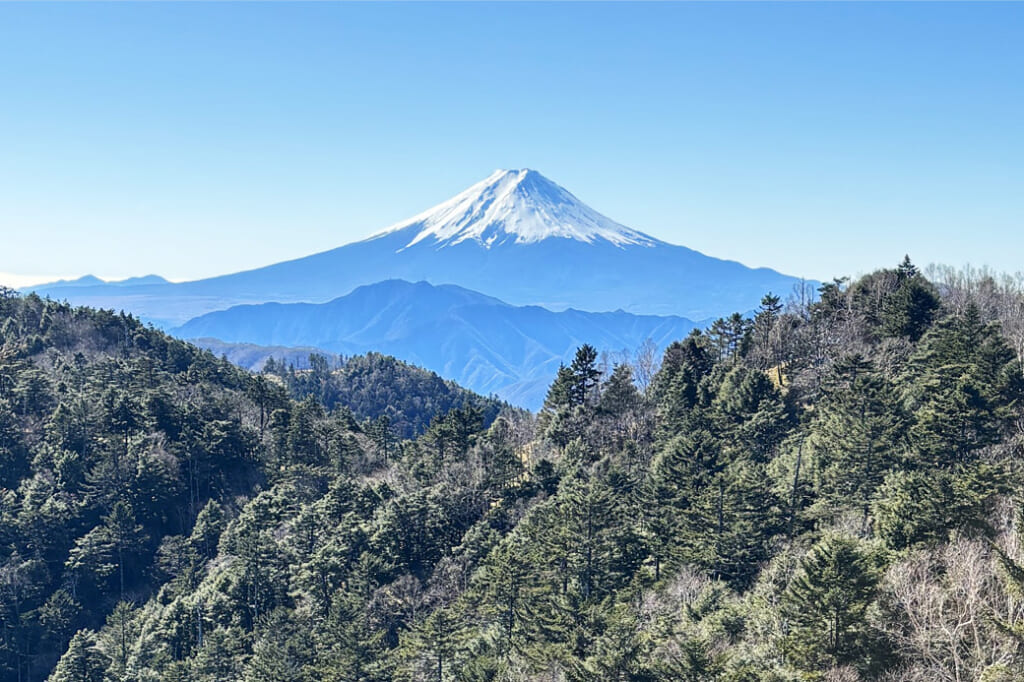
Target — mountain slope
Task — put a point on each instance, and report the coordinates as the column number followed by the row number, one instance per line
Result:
column 520, row 207
column 516, row 235
column 478, row 341
column 370, row 386
column 717, row 527
column 123, row 451
column 255, row 357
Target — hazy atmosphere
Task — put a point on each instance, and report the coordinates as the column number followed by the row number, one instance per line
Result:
column 817, row 139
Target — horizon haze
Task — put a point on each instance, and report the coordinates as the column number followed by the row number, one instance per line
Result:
column 817, row 139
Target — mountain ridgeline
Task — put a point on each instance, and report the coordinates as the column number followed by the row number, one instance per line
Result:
column 480, row 342
column 828, row 490
column 511, row 276
column 516, row 236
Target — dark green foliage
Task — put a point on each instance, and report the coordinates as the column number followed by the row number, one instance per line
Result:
column 895, row 303
column 926, row 506
column 374, row 385
column 749, row 411
column 827, row 603
column 585, row 375
column 164, row 516
column 112, row 436
column 685, row 365
column 966, row 388
column 125, row 456
column 83, row 661
column 730, row 337
column 912, row 307
column 858, row 434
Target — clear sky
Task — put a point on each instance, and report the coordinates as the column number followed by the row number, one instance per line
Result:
column 193, row 139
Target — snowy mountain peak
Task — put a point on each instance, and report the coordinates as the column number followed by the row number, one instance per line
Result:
column 514, row 206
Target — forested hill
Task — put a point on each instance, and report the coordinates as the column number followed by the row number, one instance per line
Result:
column 373, row 386
column 829, row 490
column 123, row 452
column 394, row 394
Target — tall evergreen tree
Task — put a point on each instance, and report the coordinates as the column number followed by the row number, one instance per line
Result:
column 857, row 436
column 827, row 602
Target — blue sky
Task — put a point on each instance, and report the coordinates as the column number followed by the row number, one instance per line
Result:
column 194, row 139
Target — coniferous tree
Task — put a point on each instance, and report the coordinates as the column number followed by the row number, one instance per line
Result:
column 912, row 307
column 585, row 375
column 730, row 337
column 126, row 538
column 631, row 535
column 750, row 412
column 827, row 602
column 964, row 386
column 678, row 493
column 83, row 661
column 857, row 436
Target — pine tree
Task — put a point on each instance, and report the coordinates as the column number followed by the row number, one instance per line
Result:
column 586, row 376
column 826, row 604
column 126, row 537
column 924, row 506
column 750, row 413
column 677, row 386
column 730, row 337
column 688, row 659
column 857, row 435
column 281, row 653
column 764, row 334
column 743, row 517
column 437, row 641
column 118, row 637
column 681, row 473
column 912, row 307
column 963, row 382
column 558, row 418
column 83, row 661
column 382, row 433
column 619, row 395
column 510, row 583
column 221, row 656
column 691, row 357
column 59, row 615
column 597, row 543
column 560, row 392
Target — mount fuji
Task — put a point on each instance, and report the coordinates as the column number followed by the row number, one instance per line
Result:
column 514, row 207
column 516, row 236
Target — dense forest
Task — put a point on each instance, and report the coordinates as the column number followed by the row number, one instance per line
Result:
column 373, row 386
column 380, row 388
column 826, row 490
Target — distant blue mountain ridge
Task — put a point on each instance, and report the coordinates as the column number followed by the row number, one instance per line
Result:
column 478, row 341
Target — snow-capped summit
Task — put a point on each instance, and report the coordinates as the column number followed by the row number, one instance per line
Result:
column 516, row 236
column 514, row 206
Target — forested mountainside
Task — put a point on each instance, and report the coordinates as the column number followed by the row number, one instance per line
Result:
column 254, row 357
column 373, row 386
column 123, row 452
column 827, row 491
column 395, row 395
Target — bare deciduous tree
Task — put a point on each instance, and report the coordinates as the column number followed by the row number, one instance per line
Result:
column 943, row 607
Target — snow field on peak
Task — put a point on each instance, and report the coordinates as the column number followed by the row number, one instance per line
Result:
column 514, row 206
